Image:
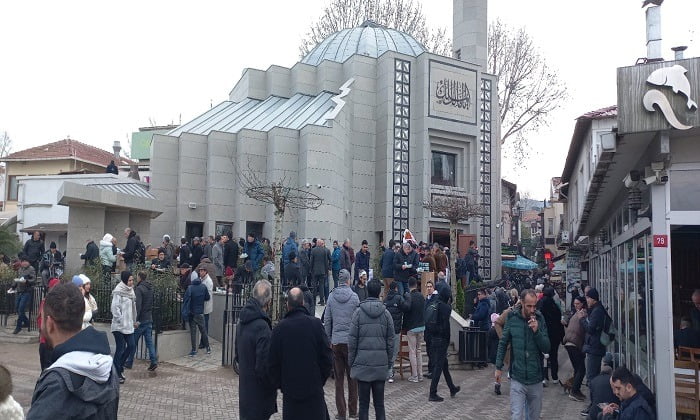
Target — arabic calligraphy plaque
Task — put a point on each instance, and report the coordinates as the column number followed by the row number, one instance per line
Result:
column 453, row 92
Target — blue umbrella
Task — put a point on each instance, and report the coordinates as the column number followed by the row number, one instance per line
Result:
column 520, row 263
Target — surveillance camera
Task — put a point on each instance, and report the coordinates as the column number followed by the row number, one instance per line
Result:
column 649, row 180
column 663, row 177
column 308, row 185
column 632, row 179
column 319, row 186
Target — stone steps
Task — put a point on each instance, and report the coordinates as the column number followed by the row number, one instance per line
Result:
column 22, row 337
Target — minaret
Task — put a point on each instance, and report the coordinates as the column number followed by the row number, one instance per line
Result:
column 469, row 31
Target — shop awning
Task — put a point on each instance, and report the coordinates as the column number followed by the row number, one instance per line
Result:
column 520, row 263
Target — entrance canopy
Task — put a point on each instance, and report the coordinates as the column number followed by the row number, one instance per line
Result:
column 520, row 263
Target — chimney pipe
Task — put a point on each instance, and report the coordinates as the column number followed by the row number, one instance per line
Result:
column 117, row 147
column 678, row 51
column 653, row 15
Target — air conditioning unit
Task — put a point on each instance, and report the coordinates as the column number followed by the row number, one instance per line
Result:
column 565, row 237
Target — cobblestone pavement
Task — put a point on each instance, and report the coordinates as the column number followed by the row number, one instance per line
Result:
column 200, row 388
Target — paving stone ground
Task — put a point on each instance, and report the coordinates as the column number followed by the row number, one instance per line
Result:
column 200, row 388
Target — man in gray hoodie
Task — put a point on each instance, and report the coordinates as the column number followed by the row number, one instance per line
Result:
column 370, row 347
column 342, row 303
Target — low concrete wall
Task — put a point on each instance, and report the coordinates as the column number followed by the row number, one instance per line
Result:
column 171, row 344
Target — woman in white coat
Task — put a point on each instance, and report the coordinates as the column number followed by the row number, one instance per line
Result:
column 123, row 319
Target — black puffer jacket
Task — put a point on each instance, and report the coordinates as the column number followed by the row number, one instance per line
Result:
column 414, row 316
column 258, row 397
column 33, row 250
column 144, row 301
column 396, row 305
column 132, row 246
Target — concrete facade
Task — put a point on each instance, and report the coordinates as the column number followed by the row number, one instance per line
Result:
column 371, row 163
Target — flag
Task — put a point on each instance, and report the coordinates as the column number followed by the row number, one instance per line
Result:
column 408, row 237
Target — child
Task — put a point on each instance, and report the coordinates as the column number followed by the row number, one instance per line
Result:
column 9, row 408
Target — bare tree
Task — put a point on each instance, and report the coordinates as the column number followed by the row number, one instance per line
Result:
column 528, row 89
column 282, row 195
column 456, row 210
column 403, row 15
column 5, row 149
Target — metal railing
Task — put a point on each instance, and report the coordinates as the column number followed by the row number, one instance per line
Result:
column 8, row 304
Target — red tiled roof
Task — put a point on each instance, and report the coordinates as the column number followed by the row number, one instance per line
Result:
column 66, row 149
column 607, row 112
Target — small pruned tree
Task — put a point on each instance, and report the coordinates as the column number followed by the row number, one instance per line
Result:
column 529, row 90
column 282, row 195
column 455, row 209
column 403, row 15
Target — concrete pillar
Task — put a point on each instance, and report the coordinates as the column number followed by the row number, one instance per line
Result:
column 469, row 31
column 663, row 307
column 84, row 223
column 115, row 223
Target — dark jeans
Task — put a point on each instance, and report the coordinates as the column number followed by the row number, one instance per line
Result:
column 321, row 287
column 440, row 365
column 578, row 362
column 23, row 301
column 592, row 366
column 198, row 321
column 553, row 362
column 403, row 287
column 342, row 370
column 145, row 329
column 206, row 327
column 377, row 388
column 107, row 274
column 336, row 277
column 429, row 350
column 124, row 347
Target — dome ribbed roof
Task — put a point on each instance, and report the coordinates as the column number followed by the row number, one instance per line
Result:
column 369, row 39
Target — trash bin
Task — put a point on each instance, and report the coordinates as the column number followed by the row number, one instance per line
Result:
column 473, row 345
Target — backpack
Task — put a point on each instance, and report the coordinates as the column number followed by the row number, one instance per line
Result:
column 430, row 314
column 140, row 254
column 607, row 336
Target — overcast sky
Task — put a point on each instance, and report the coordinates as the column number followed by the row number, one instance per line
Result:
column 96, row 71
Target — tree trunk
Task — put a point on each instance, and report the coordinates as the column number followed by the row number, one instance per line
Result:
column 277, row 246
column 453, row 260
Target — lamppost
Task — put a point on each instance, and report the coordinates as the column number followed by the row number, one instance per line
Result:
column 516, row 231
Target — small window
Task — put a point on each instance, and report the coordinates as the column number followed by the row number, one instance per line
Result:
column 12, row 186
column 443, row 170
column 550, row 226
column 223, row 228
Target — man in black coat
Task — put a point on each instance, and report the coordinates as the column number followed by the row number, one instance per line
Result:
column 230, row 252
column 92, row 253
column 301, row 360
column 593, row 325
column 440, row 340
column 34, row 249
column 600, row 389
column 130, row 249
column 197, row 252
column 257, row 395
column 320, row 265
column 292, row 273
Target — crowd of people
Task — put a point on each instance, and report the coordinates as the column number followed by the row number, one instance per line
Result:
column 356, row 341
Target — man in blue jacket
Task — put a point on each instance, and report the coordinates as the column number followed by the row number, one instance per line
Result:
column 289, row 246
column 633, row 405
column 482, row 314
column 254, row 251
column 193, row 310
column 335, row 263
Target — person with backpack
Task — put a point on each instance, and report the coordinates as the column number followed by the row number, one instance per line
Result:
column 437, row 323
column 396, row 304
column 594, row 324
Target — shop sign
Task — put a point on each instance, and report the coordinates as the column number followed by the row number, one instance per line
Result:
column 658, row 96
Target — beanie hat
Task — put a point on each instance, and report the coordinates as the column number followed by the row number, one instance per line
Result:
column 107, row 237
column 85, row 278
column 362, row 273
column 125, row 277
column 77, row 281
column 53, row 245
column 293, row 235
column 343, row 276
column 593, row 294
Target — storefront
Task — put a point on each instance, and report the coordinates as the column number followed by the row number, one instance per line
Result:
column 633, row 211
